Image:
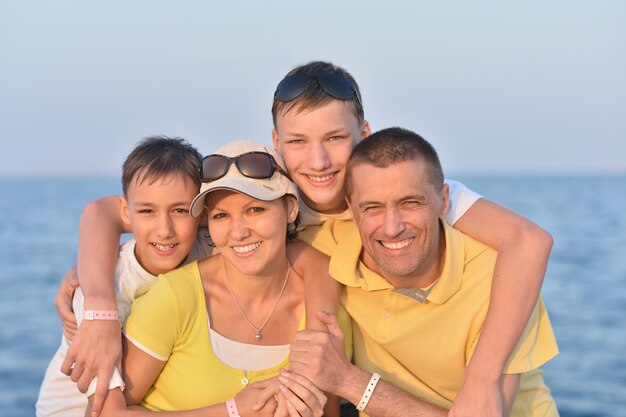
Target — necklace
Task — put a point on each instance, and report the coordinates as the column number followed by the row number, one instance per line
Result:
column 258, row 335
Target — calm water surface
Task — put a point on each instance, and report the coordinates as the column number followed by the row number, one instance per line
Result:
column 585, row 287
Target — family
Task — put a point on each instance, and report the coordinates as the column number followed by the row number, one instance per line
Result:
column 335, row 266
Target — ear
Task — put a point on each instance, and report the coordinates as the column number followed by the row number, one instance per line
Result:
column 275, row 140
column 445, row 200
column 124, row 210
column 292, row 208
column 366, row 130
column 349, row 205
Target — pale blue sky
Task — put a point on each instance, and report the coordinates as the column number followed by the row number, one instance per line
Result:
column 531, row 87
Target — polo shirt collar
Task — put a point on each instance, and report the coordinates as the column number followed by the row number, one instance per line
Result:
column 347, row 268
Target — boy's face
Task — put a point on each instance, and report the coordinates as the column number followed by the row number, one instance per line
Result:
column 158, row 213
column 316, row 146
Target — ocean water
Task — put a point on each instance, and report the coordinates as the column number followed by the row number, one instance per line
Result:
column 584, row 290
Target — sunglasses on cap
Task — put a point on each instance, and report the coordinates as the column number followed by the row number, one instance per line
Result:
column 335, row 85
column 257, row 165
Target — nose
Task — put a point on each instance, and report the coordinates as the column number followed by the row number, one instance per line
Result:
column 239, row 229
column 165, row 226
column 393, row 224
column 319, row 158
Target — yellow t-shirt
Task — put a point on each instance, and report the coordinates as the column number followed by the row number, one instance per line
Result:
column 421, row 340
column 171, row 322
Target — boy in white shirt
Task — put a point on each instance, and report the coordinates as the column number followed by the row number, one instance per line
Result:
column 159, row 181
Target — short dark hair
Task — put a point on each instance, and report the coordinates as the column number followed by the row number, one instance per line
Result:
column 391, row 146
column 158, row 156
column 313, row 95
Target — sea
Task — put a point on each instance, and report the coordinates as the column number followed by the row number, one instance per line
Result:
column 584, row 289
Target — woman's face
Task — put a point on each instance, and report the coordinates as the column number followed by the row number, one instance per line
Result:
column 249, row 233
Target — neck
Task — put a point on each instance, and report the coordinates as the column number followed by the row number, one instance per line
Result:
column 258, row 288
column 329, row 209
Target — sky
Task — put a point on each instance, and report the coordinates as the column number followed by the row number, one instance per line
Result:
column 527, row 87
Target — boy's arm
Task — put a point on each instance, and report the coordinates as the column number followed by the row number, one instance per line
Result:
column 96, row 347
column 321, row 291
column 523, row 251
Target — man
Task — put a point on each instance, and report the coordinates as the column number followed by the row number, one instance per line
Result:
column 417, row 290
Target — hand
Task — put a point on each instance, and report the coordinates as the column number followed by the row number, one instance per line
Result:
column 248, row 402
column 303, row 398
column 298, row 396
column 63, row 302
column 477, row 399
column 320, row 356
column 95, row 351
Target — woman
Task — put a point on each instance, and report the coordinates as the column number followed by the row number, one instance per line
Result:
column 221, row 327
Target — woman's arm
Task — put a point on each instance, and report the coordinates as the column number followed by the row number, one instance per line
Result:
column 141, row 370
column 523, row 251
column 96, row 347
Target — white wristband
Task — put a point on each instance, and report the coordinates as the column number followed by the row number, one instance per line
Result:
column 231, row 406
column 369, row 390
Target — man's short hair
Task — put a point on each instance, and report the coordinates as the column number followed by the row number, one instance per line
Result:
column 159, row 156
column 391, row 146
column 314, row 96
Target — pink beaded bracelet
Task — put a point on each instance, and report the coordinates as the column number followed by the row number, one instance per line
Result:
column 100, row 314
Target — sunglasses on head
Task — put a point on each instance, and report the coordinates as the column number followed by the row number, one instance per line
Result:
column 335, row 85
column 258, row 165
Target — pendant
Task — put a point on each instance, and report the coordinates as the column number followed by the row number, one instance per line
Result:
column 258, row 336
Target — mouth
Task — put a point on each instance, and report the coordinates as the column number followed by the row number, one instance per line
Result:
column 164, row 249
column 321, row 179
column 401, row 244
column 243, row 250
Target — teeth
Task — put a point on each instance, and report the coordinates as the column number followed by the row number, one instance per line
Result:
column 321, row 179
column 247, row 248
column 397, row 245
column 163, row 247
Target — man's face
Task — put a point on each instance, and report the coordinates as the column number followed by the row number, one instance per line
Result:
column 397, row 210
column 316, row 146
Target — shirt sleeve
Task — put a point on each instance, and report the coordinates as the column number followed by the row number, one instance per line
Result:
column 537, row 344
column 152, row 323
column 461, row 199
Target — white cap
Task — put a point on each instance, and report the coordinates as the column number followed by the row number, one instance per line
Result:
column 261, row 189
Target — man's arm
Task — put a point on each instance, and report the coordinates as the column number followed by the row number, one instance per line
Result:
column 319, row 356
column 96, row 347
column 523, row 251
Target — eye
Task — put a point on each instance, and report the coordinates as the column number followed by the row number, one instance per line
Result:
column 371, row 210
column 181, row 211
column 294, row 141
column 256, row 209
column 218, row 216
column 145, row 211
column 411, row 204
column 335, row 138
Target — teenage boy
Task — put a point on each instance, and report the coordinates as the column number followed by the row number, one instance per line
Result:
column 417, row 291
column 318, row 119
column 159, row 181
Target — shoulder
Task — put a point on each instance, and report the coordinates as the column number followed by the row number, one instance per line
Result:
column 180, row 283
column 304, row 257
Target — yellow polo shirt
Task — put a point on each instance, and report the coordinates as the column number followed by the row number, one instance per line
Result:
column 421, row 340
